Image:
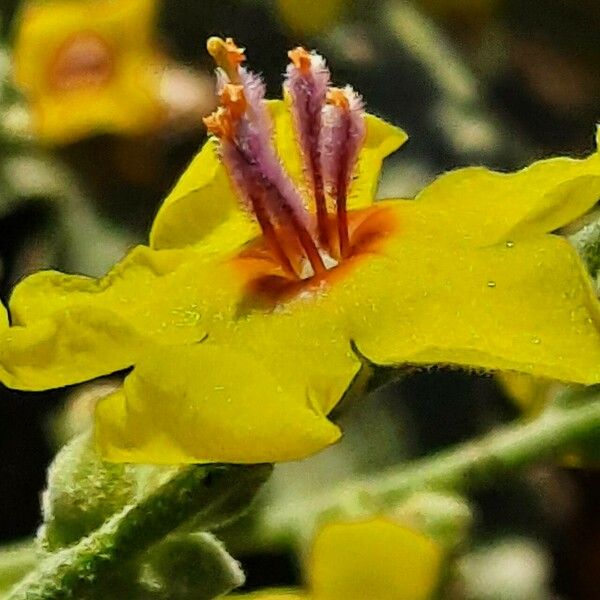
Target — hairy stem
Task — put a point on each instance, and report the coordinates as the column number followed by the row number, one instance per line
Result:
column 205, row 494
column 459, row 469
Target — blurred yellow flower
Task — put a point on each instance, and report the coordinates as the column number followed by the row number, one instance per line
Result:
column 263, row 289
column 307, row 17
column 88, row 66
column 377, row 559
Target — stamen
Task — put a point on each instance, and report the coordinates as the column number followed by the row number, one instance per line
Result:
column 244, row 127
column 338, row 98
column 307, row 78
column 341, row 137
column 301, row 59
column 259, row 206
column 227, row 56
column 307, row 243
column 219, row 123
column 234, row 100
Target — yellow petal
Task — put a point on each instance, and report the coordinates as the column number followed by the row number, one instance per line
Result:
column 119, row 109
column 72, row 346
column 203, row 207
column 381, row 140
column 286, row 143
column 526, row 306
column 166, row 297
column 376, row 559
column 207, row 402
column 481, row 206
column 149, row 290
column 305, row 342
column 310, row 18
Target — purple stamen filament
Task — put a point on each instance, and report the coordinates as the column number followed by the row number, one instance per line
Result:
column 244, row 129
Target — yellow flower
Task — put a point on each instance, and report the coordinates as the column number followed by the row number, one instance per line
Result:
column 244, row 337
column 88, row 66
column 377, row 559
column 309, row 17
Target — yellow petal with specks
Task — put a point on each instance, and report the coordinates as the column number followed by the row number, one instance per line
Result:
column 480, row 206
column 165, row 297
column 73, row 346
column 527, row 306
column 207, row 402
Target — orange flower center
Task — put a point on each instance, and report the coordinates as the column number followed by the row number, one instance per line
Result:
column 268, row 284
column 85, row 60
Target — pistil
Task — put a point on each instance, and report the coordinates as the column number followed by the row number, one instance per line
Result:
column 227, row 56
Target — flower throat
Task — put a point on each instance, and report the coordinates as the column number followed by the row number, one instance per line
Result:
column 306, row 231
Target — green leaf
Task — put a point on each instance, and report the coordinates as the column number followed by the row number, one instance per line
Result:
column 191, row 566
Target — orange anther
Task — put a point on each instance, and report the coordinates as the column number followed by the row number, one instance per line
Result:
column 337, row 97
column 220, row 123
column 227, row 55
column 233, row 99
column 301, row 59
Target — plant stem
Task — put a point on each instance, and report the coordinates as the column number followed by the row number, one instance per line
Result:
column 209, row 495
column 458, row 469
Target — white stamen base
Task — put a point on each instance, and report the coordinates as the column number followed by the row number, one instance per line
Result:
column 307, row 271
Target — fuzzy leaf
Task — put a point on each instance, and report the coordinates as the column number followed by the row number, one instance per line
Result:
column 192, row 566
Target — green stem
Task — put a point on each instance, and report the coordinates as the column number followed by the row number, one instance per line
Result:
column 199, row 493
column 465, row 467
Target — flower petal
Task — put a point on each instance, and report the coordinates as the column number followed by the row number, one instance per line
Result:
column 481, row 206
column 207, row 402
column 203, row 207
column 43, row 28
column 121, row 108
column 374, row 559
column 381, row 140
column 526, row 306
column 306, row 341
column 72, row 346
column 166, row 297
